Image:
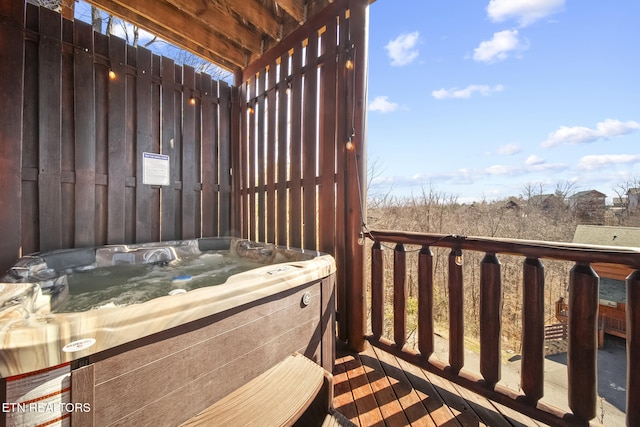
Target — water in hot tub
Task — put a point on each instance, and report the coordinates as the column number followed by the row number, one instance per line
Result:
column 127, row 284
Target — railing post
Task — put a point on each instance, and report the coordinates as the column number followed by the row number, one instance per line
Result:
column 425, row 302
column 456, row 311
column 532, row 372
column 377, row 289
column 633, row 348
column 399, row 295
column 583, row 340
column 490, row 319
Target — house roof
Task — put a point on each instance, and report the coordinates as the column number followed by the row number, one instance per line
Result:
column 608, row 236
column 229, row 33
column 587, row 193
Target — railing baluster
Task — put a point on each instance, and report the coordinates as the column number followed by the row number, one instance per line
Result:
column 456, row 311
column 633, row 348
column 399, row 295
column 490, row 319
column 583, row 340
column 425, row 301
column 532, row 372
column 377, row 289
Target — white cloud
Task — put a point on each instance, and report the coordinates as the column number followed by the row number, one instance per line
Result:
column 583, row 135
column 499, row 47
column 525, row 11
column 383, row 105
column 483, row 90
column 402, row 50
column 509, row 149
column 534, row 160
column 605, row 160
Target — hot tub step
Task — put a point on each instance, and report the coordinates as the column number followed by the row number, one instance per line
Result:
column 278, row 397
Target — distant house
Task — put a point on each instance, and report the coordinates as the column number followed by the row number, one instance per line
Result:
column 588, row 206
column 546, row 202
column 633, row 194
column 612, row 308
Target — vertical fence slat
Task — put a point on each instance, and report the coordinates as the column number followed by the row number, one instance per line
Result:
column 583, row 341
column 327, row 149
column 49, row 178
column 116, row 113
column 145, row 206
column 189, row 166
column 295, row 197
column 532, row 372
column 168, row 147
column 271, row 153
column 282, row 135
column 251, row 157
column 12, row 46
column 456, row 312
column 70, row 178
column 309, row 143
column 425, row 302
column 224, row 150
column 377, row 289
column 85, row 137
column 209, row 157
column 399, row 295
column 490, row 319
column 633, row 348
column 260, row 155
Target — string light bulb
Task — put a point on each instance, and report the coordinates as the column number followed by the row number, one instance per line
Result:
column 349, row 63
column 112, row 75
column 192, row 100
column 458, row 257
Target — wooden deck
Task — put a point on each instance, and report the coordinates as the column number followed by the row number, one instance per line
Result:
column 374, row 388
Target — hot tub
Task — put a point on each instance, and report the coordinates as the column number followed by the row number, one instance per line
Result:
column 159, row 331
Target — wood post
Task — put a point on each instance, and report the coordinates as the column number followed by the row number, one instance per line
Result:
column 583, row 341
column 11, row 117
column 633, row 348
column 490, row 319
column 456, row 311
column 532, row 373
column 399, row 295
column 425, row 302
column 377, row 289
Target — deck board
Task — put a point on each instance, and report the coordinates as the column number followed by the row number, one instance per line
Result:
column 374, row 388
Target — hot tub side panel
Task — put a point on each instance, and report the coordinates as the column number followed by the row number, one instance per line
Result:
column 168, row 378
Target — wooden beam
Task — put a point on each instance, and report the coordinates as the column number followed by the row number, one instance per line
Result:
column 178, row 28
column 219, row 20
column 258, row 15
column 295, row 8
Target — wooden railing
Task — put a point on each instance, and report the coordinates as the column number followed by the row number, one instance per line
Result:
column 582, row 320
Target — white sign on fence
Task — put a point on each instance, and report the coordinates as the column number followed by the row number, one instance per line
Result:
column 155, row 169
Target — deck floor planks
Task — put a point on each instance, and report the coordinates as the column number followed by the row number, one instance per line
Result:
column 374, row 388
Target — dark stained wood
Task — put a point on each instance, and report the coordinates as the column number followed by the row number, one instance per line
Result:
column 144, row 143
column 456, row 312
column 327, row 142
column 377, row 289
column 85, row 137
column 282, row 135
column 117, row 139
column 50, row 101
column 271, row 164
column 425, row 301
column 532, row 374
column 399, row 295
column 70, row 177
column 583, row 341
column 224, row 151
column 356, row 183
column 309, row 144
column 530, row 248
column 328, row 322
column 260, row 166
column 633, row 348
column 168, row 147
column 190, row 167
column 490, row 319
column 209, row 96
column 295, row 196
column 12, row 70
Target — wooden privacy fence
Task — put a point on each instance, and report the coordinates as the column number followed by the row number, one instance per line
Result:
column 301, row 163
column 91, row 107
column 582, row 318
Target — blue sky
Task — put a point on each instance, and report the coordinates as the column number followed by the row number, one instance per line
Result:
column 477, row 99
